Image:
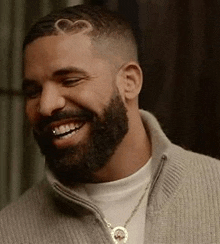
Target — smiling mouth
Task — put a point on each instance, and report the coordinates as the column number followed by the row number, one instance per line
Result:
column 67, row 130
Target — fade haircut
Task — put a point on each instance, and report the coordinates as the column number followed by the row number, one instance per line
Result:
column 100, row 24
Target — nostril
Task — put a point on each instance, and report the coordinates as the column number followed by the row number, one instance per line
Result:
column 51, row 105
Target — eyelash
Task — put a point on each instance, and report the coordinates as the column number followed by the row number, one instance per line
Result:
column 31, row 92
column 71, row 82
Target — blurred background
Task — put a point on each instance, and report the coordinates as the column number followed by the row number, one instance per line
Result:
column 179, row 45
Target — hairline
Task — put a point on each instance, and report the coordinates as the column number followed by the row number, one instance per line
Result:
column 98, row 42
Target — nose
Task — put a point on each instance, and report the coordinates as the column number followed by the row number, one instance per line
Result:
column 51, row 100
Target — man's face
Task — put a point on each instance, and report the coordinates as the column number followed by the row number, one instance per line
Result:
column 74, row 105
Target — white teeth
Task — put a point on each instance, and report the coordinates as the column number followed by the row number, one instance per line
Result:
column 72, row 126
column 69, row 135
column 62, row 129
column 59, row 130
column 67, row 128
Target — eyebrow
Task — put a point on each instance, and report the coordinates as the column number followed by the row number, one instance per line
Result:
column 69, row 70
column 59, row 72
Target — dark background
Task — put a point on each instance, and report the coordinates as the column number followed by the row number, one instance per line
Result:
column 180, row 56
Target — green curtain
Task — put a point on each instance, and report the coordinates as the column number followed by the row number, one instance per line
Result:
column 21, row 164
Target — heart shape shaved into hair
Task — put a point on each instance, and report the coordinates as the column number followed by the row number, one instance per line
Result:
column 68, row 26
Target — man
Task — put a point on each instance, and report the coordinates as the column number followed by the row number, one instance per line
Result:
column 112, row 176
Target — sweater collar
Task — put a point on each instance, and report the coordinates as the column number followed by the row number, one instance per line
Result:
column 170, row 163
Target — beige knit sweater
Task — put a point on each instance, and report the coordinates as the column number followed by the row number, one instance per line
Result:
column 183, row 204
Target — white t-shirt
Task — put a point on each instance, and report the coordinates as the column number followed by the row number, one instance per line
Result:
column 118, row 199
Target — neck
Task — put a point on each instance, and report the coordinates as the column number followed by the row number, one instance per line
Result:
column 132, row 154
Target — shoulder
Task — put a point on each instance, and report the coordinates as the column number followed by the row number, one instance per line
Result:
column 187, row 177
column 199, row 169
column 200, row 161
column 25, row 213
column 32, row 198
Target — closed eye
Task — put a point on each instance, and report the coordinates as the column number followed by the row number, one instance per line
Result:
column 72, row 81
column 31, row 90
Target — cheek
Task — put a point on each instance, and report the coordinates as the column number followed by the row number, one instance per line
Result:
column 93, row 99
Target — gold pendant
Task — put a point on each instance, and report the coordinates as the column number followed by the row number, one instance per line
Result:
column 119, row 235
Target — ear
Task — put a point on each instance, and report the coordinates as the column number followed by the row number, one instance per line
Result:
column 131, row 79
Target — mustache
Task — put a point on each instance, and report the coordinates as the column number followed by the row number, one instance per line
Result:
column 81, row 114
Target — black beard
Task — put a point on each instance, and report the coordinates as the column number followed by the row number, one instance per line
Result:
column 78, row 163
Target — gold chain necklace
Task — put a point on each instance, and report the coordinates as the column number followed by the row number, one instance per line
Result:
column 120, row 234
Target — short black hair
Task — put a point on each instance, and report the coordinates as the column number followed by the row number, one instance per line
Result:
column 104, row 23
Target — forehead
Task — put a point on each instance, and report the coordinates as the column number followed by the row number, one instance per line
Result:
column 52, row 52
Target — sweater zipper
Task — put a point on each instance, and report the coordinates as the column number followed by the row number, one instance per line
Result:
column 162, row 161
column 82, row 202
column 92, row 207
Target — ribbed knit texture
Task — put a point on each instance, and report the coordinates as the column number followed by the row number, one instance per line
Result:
column 183, row 205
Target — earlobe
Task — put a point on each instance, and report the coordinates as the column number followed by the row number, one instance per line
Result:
column 132, row 80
